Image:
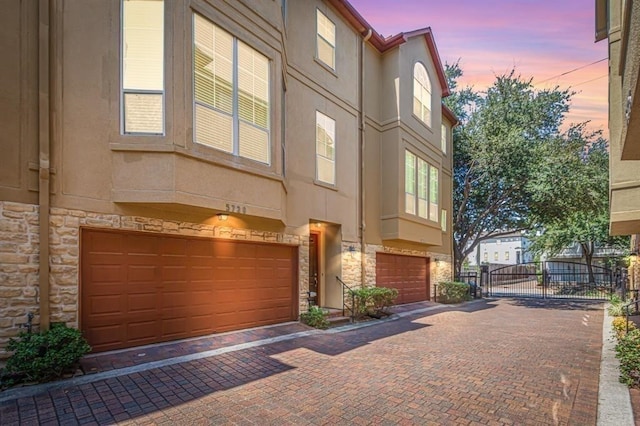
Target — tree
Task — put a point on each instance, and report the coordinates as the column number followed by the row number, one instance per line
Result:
column 504, row 135
column 580, row 190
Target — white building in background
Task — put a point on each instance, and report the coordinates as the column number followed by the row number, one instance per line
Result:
column 510, row 249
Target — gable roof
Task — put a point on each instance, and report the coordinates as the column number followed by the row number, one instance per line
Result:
column 382, row 44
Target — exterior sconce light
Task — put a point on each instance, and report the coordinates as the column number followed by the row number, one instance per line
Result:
column 222, row 216
column 352, row 250
column 438, row 261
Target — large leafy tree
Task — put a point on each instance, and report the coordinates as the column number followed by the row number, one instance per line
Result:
column 577, row 186
column 505, row 135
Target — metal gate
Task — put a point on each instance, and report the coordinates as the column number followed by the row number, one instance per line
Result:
column 551, row 280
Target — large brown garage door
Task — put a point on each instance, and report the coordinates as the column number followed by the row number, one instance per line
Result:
column 408, row 274
column 140, row 288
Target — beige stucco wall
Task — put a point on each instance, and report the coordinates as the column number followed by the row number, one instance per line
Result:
column 624, row 175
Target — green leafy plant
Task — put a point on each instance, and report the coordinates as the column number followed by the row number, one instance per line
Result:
column 315, row 317
column 373, row 301
column 452, row 292
column 45, row 356
column 628, row 352
column 616, row 307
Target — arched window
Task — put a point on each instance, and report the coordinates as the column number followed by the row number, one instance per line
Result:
column 421, row 94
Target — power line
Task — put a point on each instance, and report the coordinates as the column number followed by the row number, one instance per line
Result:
column 589, row 81
column 573, row 70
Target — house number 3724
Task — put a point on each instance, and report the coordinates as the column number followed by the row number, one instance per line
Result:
column 234, row 208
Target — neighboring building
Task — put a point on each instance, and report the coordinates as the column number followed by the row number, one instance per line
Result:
column 618, row 21
column 510, row 249
column 172, row 169
column 572, row 259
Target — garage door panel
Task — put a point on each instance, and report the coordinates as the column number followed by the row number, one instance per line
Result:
column 144, row 288
column 408, row 274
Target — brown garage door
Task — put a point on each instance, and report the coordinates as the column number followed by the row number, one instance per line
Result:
column 140, row 288
column 408, row 274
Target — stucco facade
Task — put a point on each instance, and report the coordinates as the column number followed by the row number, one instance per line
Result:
column 618, row 22
column 68, row 166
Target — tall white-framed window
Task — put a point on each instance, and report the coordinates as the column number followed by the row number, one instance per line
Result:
column 421, row 188
column 142, row 67
column 325, row 40
column 410, row 182
column 433, row 194
column 443, row 220
column 421, row 94
column 230, row 93
column 325, row 149
column 443, row 139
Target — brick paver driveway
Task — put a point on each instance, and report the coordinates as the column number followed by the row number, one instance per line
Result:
column 488, row 363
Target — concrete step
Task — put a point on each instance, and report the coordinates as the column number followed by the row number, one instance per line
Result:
column 336, row 321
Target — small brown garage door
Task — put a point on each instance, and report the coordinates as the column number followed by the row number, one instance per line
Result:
column 140, row 288
column 408, row 274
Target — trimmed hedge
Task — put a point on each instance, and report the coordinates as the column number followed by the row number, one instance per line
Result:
column 452, row 292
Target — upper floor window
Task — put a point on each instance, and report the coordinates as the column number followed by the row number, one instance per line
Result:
column 326, row 40
column 231, row 93
column 421, row 188
column 443, row 220
column 421, row 94
column 325, row 149
column 142, row 61
column 444, row 137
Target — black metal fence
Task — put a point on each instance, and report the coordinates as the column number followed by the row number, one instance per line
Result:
column 553, row 280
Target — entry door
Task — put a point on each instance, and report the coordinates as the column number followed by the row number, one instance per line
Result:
column 314, row 278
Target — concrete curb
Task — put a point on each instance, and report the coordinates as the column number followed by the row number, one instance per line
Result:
column 614, row 402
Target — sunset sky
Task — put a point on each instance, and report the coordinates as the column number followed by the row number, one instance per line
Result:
column 542, row 39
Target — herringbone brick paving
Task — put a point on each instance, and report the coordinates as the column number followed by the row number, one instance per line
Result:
column 505, row 362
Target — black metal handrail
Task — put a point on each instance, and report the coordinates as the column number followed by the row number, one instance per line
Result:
column 345, row 307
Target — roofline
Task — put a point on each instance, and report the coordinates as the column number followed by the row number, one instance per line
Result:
column 353, row 17
column 450, row 115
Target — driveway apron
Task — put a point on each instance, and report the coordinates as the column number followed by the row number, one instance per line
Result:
column 491, row 362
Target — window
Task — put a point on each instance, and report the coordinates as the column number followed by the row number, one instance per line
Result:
column 325, row 149
column 142, row 61
column 495, row 255
column 326, row 40
column 421, row 94
column 433, row 193
column 443, row 141
column 231, row 93
column 410, row 182
column 485, row 256
column 421, row 187
column 506, row 255
column 443, row 220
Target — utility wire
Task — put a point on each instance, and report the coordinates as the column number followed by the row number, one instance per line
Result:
column 573, row 70
column 589, row 81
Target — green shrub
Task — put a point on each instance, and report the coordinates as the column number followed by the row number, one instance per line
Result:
column 452, row 292
column 315, row 317
column 628, row 352
column 620, row 326
column 373, row 301
column 45, row 356
column 616, row 307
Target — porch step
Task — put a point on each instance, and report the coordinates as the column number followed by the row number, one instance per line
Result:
column 338, row 320
column 335, row 317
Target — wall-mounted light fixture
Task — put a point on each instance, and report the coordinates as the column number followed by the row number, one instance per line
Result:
column 352, row 250
column 438, row 262
column 222, row 216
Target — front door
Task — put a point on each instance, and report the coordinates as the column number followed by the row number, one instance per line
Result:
column 314, row 279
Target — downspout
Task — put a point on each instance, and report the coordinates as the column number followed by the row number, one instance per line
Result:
column 44, row 134
column 363, row 225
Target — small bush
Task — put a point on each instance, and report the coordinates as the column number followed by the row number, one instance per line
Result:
column 315, row 317
column 452, row 292
column 373, row 301
column 42, row 357
column 620, row 326
column 628, row 352
column 615, row 308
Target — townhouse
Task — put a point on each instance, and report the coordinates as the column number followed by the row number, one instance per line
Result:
column 172, row 169
column 618, row 22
